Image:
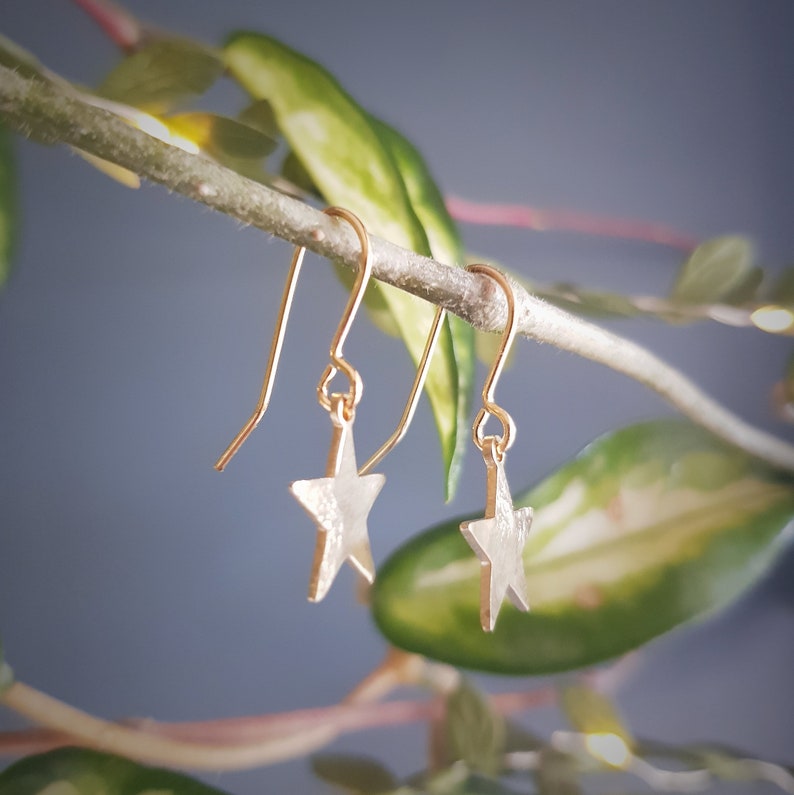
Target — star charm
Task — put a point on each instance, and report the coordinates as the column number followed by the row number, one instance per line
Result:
column 498, row 541
column 339, row 505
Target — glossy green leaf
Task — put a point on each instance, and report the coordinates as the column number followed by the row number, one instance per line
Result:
column 8, row 204
column 163, row 75
column 356, row 774
column 338, row 144
column 649, row 527
column 79, row 771
column 718, row 271
column 220, row 135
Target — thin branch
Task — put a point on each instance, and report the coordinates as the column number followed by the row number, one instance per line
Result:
column 46, row 114
column 539, row 220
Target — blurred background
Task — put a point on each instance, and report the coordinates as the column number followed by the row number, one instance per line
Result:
column 135, row 580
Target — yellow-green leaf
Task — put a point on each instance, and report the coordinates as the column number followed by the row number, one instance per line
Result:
column 163, row 75
column 79, row 771
column 650, row 527
column 338, row 144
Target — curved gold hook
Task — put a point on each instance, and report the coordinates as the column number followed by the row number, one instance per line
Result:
column 490, row 408
column 338, row 361
column 281, row 327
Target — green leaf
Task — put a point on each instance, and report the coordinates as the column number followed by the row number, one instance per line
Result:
column 591, row 303
column 222, row 136
column 6, row 674
column 591, row 712
column 474, row 733
column 259, row 115
column 79, row 771
column 9, row 221
column 293, row 170
column 649, row 527
column 446, row 246
column 342, row 151
column 356, row 774
column 718, row 271
column 163, row 75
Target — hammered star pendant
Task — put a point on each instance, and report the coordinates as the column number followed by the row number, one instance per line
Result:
column 498, row 541
column 339, row 504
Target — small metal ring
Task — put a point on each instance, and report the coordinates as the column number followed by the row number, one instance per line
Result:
column 503, row 442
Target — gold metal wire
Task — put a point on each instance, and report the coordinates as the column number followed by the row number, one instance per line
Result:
column 490, row 407
column 338, row 362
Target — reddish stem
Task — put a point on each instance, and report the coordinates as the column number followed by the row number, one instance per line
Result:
column 232, row 731
column 117, row 24
column 524, row 217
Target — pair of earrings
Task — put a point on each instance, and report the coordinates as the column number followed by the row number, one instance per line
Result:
column 340, row 502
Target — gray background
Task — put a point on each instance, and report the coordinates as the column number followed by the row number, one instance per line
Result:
column 134, row 580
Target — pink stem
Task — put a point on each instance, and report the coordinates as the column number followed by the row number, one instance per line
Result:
column 231, row 731
column 119, row 25
column 524, row 217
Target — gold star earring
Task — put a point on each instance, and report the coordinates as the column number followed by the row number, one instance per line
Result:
column 498, row 538
column 340, row 502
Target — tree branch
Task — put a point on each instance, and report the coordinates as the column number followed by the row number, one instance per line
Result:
column 50, row 115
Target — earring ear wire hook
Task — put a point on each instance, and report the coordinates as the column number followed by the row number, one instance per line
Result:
column 338, row 362
column 490, row 407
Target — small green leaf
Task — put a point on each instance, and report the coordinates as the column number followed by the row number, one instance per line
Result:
column 355, row 774
column 293, row 170
column 592, row 303
column 259, row 115
column 718, row 271
column 79, row 771
column 649, row 527
column 163, row 75
column 474, row 733
column 9, row 221
column 591, row 712
column 338, row 144
column 222, row 136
